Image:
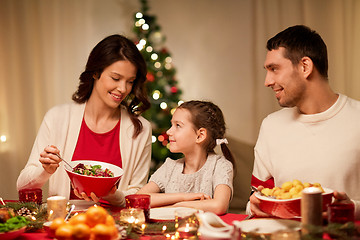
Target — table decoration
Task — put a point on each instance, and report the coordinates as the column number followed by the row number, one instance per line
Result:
column 30, row 195
column 132, row 216
column 286, row 235
column 213, row 227
column 56, row 207
column 35, row 214
column 141, row 201
column 186, row 223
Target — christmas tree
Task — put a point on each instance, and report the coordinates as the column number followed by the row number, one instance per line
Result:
column 161, row 83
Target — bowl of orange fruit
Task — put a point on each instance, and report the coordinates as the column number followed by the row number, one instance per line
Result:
column 95, row 223
column 285, row 201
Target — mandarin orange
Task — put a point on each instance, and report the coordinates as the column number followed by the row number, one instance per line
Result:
column 79, row 218
column 64, row 232
column 81, row 231
column 96, row 215
column 102, row 232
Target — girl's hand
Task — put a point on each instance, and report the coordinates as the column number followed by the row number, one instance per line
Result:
column 195, row 196
column 49, row 160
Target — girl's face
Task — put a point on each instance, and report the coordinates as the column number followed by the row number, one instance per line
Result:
column 182, row 134
column 115, row 83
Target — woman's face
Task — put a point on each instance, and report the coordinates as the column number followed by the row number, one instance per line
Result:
column 115, row 83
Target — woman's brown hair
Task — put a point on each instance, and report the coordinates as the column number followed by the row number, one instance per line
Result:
column 112, row 49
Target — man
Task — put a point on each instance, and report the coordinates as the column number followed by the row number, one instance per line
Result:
column 316, row 136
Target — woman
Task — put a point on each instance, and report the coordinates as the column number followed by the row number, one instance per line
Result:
column 102, row 123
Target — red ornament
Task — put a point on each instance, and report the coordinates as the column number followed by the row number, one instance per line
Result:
column 150, row 77
column 164, row 50
column 174, row 89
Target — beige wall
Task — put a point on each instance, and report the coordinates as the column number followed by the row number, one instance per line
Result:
column 218, row 47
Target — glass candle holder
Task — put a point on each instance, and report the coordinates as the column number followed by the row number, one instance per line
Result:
column 341, row 212
column 186, row 223
column 132, row 216
column 141, row 201
column 286, row 235
column 56, row 207
column 31, row 195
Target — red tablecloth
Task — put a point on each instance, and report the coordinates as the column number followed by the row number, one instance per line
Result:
column 228, row 218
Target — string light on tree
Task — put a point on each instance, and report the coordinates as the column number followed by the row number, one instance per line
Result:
column 163, row 105
column 161, row 83
column 156, row 94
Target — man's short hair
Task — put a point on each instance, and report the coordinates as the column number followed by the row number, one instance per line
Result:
column 300, row 41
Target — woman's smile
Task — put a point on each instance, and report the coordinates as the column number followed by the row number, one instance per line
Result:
column 116, row 97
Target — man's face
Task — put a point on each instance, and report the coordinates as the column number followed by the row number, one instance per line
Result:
column 284, row 78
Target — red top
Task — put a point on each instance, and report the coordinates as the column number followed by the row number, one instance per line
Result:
column 104, row 147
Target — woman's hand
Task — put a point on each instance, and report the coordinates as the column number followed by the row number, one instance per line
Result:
column 92, row 196
column 49, row 160
column 254, row 206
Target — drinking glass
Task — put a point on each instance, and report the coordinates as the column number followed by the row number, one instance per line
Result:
column 341, row 212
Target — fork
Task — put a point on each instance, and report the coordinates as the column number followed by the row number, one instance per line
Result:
column 255, row 189
column 63, row 160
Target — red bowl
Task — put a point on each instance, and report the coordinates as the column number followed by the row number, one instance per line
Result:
column 288, row 208
column 101, row 186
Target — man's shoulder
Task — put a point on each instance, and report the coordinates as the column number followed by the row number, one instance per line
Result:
column 353, row 103
column 283, row 114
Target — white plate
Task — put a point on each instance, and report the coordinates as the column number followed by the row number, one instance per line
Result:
column 266, row 225
column 81, row 205
column 165, row 213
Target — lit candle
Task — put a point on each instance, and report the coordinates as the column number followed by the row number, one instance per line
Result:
column 186, row 232
column 132, row 216
column 56, row 207
column 141, row 201
column 286, row 235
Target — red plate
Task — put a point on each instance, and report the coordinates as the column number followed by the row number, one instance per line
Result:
column 288, row 208
column 12, row 234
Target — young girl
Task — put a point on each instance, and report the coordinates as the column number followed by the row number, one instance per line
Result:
column 197, row 127
column 103, row 123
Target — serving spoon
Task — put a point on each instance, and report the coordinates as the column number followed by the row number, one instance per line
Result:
column 63, row 160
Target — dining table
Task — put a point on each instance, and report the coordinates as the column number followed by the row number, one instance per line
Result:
column 228, row 218
column 42, row 234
